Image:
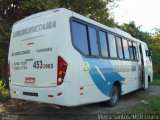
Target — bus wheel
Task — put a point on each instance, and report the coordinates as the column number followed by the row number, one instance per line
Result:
column 114, row 97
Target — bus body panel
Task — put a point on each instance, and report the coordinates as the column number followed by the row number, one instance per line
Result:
column 33, row 58
column 27, row 51
column 44, row 94
column 148, row 70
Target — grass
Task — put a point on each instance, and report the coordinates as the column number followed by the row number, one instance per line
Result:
column 155, row 82
column 151, row 106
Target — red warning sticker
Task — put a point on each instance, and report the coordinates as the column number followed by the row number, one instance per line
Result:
column 30, row 80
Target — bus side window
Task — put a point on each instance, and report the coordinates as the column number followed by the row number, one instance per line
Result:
column 135, row 53
column 103, row 44
column 131, row 50
column 126, row 49
column 79, row 34
column 119, row 47
column 93, row 41
column 112, row 45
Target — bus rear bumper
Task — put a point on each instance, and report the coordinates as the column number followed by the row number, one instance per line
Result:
column 59, row 95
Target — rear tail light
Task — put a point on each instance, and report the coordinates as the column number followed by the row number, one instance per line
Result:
column 61, row 71
column 8, row 71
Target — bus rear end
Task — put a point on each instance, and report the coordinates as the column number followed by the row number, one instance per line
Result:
column 36, row 71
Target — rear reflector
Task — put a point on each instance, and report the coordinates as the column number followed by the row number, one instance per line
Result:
column 81, row 88
column 81, row 93
column 50, row 96
column 30, row 80
column 61, row 70
column 59, row 94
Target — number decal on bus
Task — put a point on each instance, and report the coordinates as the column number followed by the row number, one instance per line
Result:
column 40, row 65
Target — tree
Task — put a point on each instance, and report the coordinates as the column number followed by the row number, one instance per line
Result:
column 156, row 61
column 14, row 10
column 155, row 41
column 94, row 9
column 155, row 46
column 135, row 31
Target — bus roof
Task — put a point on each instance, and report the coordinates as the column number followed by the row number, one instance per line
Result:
column 114, row 29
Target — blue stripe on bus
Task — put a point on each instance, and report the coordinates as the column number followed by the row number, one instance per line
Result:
column 107, row 71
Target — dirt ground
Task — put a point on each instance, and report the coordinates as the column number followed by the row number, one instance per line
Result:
column 25, row 110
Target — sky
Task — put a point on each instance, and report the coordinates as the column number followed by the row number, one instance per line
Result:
column 143, row 12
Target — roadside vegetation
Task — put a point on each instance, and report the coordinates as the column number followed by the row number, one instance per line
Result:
column 155, row 82
column 4, row 92
column 148, row 106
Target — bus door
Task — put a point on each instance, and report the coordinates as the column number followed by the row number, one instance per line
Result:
column 143, row 68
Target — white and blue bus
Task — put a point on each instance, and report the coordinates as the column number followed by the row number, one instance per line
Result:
column 63, row 58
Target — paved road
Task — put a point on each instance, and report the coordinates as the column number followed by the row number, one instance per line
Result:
column 37, row 111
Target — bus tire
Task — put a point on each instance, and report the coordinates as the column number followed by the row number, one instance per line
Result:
column 114, row 97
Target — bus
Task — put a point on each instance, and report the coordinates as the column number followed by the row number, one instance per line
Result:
column 63, row 58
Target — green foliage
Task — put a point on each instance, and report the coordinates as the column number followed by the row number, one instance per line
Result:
column 135, row 31
column 156, row 82
column 95, row 10
column 5, row 30
column 155, row 41
column 156, row 60
column 2, row 85
column 3, row 70
column 154, row 44
column 12, row 11
column 4, row 93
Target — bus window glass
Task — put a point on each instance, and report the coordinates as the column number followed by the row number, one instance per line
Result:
column 131, row 50
column 103, row 44
column 119, row 47
column 126, row 49
column 79, row 34
column 112, row 45
column 135, row 53
column 138, row 54
column 93, row 41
